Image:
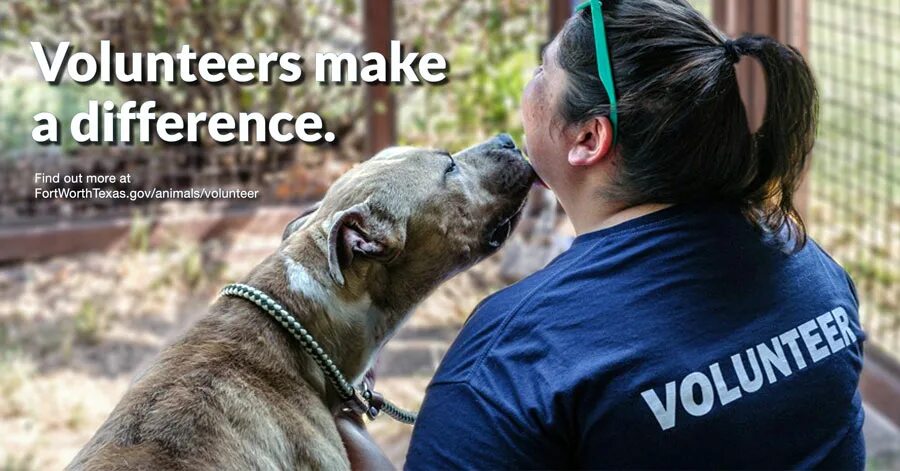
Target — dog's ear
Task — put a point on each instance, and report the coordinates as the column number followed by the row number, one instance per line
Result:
column 361, row 231
column 297, row 223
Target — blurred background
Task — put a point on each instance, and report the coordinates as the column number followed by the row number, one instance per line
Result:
column 91, row 290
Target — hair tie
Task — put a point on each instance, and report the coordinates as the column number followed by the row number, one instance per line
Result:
column 732, row 51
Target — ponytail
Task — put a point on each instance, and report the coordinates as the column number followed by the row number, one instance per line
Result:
column 786, row 137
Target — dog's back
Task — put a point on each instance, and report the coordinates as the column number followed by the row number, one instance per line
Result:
column 214, row 402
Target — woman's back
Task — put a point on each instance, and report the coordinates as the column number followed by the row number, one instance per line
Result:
column 681, row 339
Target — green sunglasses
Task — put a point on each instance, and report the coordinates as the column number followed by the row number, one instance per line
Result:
column 604, row 67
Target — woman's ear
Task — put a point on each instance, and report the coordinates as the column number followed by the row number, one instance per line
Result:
column 593, row 142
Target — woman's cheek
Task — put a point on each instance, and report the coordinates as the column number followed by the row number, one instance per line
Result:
column 535, row 125
column 527, row 99
column 533, row 119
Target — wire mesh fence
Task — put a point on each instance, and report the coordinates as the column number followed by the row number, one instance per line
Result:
column 854, row 197
column 490, row 44
column 854, row 200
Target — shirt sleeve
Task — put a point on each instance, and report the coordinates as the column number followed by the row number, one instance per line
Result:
column 852, row 286
column 459, row 428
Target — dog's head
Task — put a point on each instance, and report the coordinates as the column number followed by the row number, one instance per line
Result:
column 400, row 223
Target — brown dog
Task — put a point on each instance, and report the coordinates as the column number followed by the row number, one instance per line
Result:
column 238, row 392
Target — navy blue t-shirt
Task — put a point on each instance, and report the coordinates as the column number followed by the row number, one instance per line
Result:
column 680, row 339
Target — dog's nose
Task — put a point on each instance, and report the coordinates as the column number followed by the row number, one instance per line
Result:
column 505, row 141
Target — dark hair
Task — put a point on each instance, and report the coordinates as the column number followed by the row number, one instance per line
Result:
column 683, row 131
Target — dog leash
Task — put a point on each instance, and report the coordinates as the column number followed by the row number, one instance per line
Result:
column 362, row 401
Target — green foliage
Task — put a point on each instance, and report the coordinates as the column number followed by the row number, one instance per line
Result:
column 24, row 462
column 90, row 322
column 227, row 27
column 21, row 100
column 192, row 267
column 492, row 47
column 15, row 372
column 77, row 417
column 139, row 235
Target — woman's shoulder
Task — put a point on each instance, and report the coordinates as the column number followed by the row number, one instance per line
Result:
column 523, row 326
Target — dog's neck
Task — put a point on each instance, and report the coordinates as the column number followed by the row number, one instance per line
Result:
column 343, row 312
column 344, row 319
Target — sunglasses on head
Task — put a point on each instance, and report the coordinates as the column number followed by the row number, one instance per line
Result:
column 604, row 67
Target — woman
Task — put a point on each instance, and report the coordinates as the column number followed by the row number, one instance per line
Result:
column 691, row 324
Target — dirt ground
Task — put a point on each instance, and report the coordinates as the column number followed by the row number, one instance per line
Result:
column 74, row 330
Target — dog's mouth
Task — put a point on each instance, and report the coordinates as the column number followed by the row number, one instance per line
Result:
column 502, row 231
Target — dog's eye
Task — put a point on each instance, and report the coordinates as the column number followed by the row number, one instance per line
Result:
column 452, row 167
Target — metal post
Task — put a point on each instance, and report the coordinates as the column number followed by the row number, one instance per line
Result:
column 381, row 116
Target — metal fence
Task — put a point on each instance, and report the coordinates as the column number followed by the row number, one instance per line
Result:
column 854, row 192
column 854, row 182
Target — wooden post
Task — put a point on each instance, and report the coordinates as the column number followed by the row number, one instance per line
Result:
column 558, row 12
column 795, row 30
column 794, row 25
column 785, row 20
column 381, row 116
column 736, row 18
